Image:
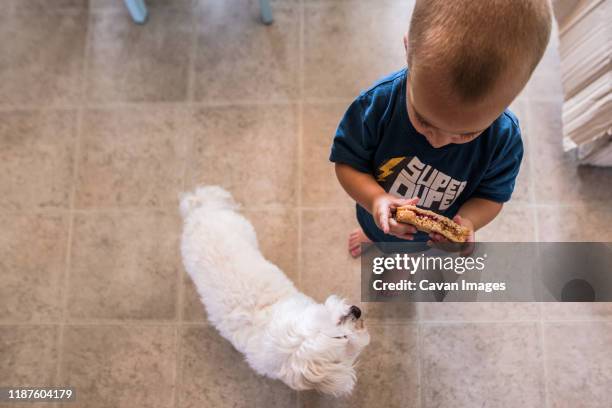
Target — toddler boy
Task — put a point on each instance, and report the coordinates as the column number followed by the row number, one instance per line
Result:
column 438, row 134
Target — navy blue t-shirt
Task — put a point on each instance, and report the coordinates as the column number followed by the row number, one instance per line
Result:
column 376, row 137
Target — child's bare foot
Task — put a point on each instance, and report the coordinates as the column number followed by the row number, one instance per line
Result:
column 356, row 238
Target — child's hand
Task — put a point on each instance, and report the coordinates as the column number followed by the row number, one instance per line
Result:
column 381, row 211
column 439, row 241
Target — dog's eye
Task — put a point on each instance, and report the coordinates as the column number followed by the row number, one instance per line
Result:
column 341, row 337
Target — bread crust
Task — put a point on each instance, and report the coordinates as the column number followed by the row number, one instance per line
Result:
column 429, row 221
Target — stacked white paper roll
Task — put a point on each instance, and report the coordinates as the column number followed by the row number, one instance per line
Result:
column 585, row 48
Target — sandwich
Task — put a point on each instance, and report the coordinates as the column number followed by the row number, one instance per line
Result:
column 429, row 221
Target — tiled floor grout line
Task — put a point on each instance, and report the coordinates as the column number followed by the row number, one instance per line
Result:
column 168, row 209
column 71, row 214
column 172, row 209
column 175, row 104
column 371, row 322
column 66, row 11
column 536, row 226
column 110, row 322
column 475, row 322
column 64, row 300
column 178, row 320
column 193, row 52
column 531, row 166
column 419, row 352
column 187, row 144
column 300, row 150
column 543, row 347
column 176, row 373
column 397, row 322
column 147, row 105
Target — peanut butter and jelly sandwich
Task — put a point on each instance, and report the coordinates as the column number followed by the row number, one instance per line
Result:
column 429, row 221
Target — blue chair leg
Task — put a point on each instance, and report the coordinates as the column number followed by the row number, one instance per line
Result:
column 138, row 10
column 266, row 11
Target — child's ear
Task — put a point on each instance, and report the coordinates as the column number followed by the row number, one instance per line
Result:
column 406, row 41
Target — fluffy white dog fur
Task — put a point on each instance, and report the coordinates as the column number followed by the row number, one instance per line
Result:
column 283, row 333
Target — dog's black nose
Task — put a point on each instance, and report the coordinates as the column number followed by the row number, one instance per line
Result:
column 355, row 311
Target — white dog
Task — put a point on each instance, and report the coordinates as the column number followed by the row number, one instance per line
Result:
column 283, row 333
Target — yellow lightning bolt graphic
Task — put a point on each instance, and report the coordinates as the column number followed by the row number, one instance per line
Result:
column 387, row 168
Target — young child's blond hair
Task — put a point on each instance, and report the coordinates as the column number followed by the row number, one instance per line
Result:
column 477, row 42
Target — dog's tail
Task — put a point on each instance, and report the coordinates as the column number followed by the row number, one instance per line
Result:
column 211, row 197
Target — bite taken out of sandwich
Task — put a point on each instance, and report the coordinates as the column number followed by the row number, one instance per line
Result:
column 429, row 221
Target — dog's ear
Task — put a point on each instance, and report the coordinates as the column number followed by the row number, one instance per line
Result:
column 319, row 365
column 333, row 301
column 330, row 377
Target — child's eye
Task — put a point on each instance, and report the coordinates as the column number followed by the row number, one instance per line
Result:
column 423, row 122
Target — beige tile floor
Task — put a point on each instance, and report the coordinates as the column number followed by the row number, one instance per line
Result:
column 103, row 123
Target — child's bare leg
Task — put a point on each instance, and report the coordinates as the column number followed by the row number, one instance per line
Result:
column 356, row 238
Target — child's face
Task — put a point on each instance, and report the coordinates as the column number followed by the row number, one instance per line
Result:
column 442, row 119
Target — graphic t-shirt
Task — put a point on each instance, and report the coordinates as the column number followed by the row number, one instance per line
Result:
column 376, row 136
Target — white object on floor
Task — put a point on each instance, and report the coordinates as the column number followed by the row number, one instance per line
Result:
column 585, row 48
column 283, row 333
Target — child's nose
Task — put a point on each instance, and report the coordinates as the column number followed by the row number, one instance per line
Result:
column 438, row 140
